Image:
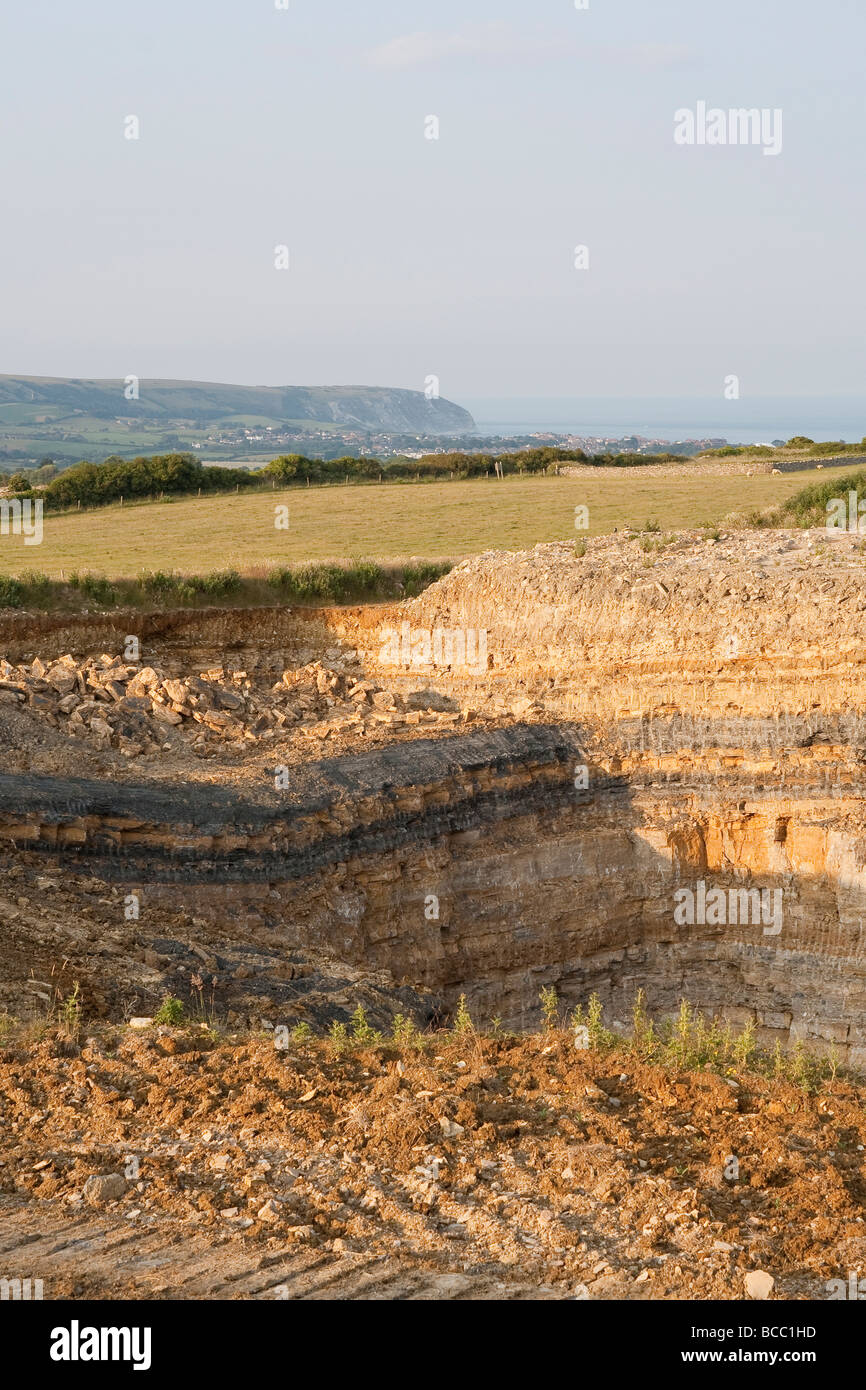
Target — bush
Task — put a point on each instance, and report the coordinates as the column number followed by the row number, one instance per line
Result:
column 170, row 1011
column 219, row 584
column 11, row 593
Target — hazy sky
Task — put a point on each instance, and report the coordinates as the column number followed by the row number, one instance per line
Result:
column 455, row 257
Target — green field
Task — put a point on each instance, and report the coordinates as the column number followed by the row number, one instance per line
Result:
column 391, row 521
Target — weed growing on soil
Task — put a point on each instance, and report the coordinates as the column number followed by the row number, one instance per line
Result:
column 405, row 1034
column 549, row 1007
column 361, row 1031
column 204, row 1007
column 170, row 1012
column 69, row 1014
column 462, row 1019
column 690, row 1042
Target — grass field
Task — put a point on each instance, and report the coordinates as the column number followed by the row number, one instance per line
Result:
column 433, row 520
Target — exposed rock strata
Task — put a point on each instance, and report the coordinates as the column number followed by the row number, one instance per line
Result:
column 534, row 882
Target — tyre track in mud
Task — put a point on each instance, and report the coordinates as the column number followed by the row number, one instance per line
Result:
column 107, row 1258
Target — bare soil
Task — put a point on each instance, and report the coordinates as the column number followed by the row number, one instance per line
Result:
column 518, row 1164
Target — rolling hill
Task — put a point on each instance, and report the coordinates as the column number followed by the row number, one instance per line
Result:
column 42, row 400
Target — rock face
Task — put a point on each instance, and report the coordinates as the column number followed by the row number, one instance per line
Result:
column 671, row 797
column 474, row 865
column 756, row 622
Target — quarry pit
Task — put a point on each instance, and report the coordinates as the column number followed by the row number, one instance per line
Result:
column 656, row 741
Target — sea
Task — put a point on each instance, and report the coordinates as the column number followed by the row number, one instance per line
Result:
column 758, row 420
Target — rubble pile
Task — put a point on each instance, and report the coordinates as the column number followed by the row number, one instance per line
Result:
column 139, row 709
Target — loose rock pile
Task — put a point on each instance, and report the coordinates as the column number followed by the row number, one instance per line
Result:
column 135, row 708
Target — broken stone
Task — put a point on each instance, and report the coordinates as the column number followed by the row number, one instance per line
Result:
column 759, row 1285
column 450, row 1128
column 101, row 1188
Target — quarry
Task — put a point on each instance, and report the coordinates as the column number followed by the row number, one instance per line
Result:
column 276, row 769
column 269, row 819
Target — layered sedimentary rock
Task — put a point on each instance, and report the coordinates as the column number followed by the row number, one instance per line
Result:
column 493, row 865
column 679, row 731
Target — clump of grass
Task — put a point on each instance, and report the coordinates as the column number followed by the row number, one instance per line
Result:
column 808, row 507
column 170, row 1011
column 204, row 1009
column 579, row 548
column 35, row 588
column 96, row 588
column 652, row 525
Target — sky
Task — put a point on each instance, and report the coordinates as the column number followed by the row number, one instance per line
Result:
column 409, row 257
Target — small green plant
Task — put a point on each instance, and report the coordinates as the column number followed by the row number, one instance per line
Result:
column 70, row 1013
column 462, row 1020
column 170, row 1011
column 799, row 1067
column 301, row 1033
column 594, row 1024
column 744, row 1047
column 549, row 1007
column 682, row 1034
column 338, row 1037
column 361, row 1030
column 652, row 525
column 643, row 1037
column 403, row 1031
column 579, row 548
column 11, row 592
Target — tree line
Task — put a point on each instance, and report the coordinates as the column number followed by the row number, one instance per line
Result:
column 179, row 474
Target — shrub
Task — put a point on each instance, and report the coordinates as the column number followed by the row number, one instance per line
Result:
column 11, row 592
column 170, row 1011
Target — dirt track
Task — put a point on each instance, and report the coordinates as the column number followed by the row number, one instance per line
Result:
column 89, row 1257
